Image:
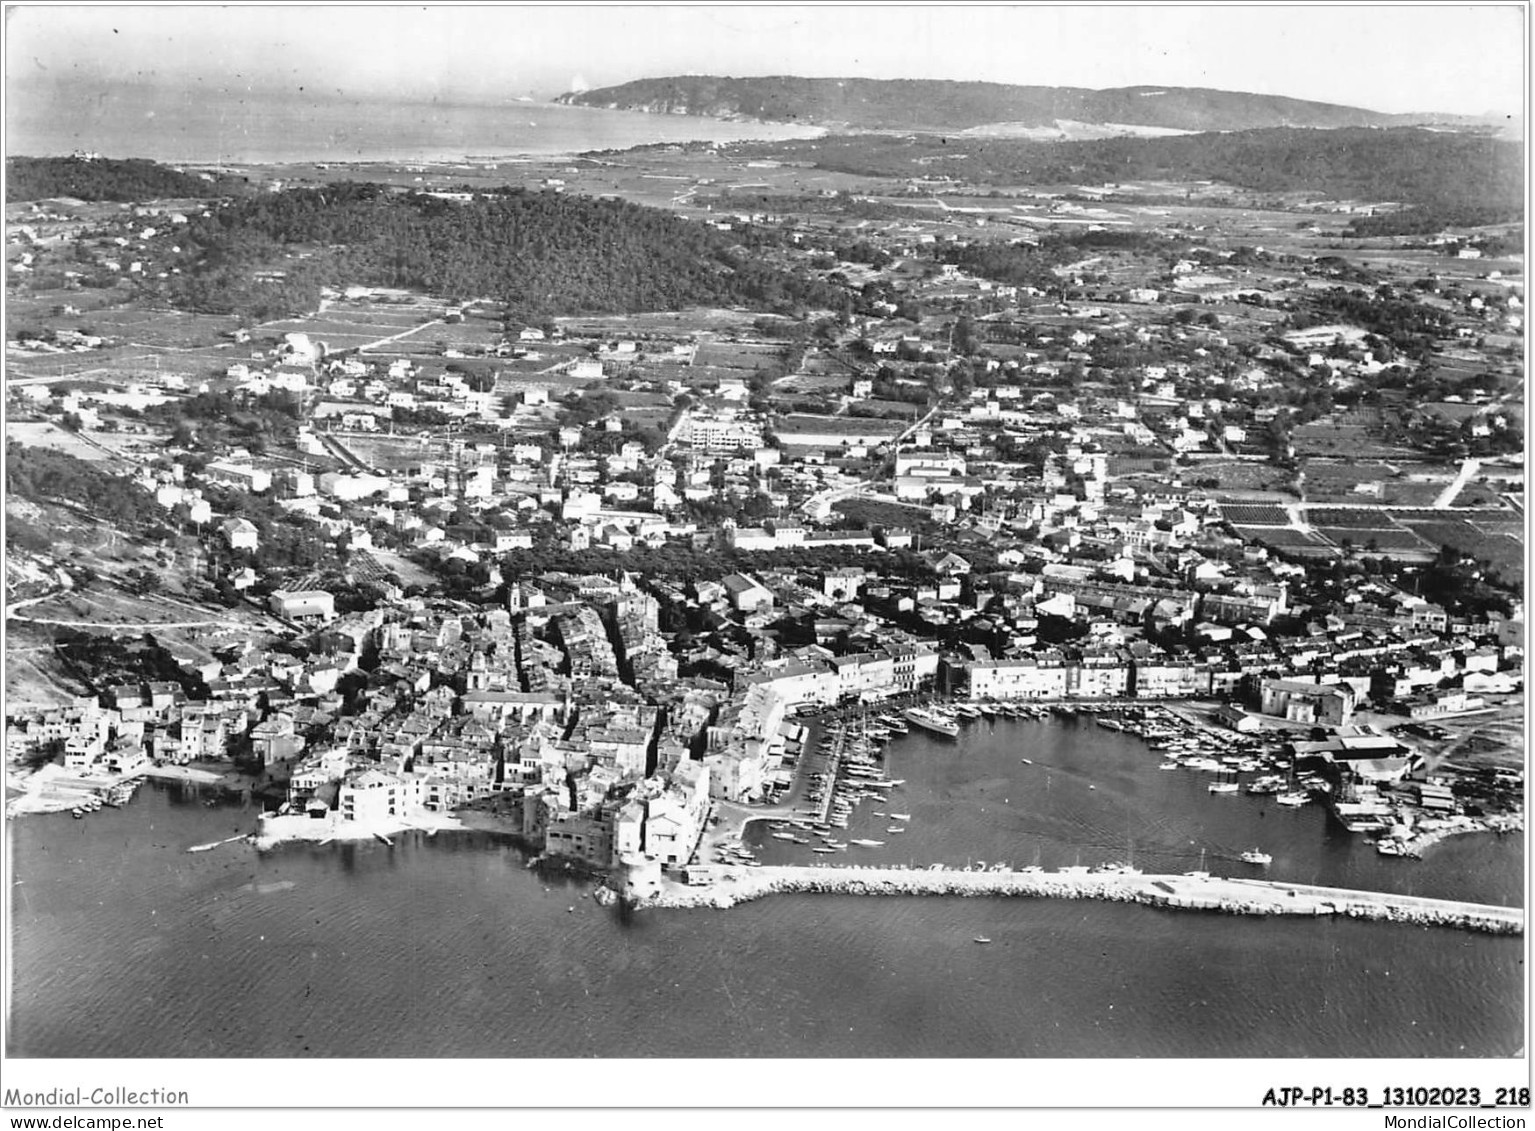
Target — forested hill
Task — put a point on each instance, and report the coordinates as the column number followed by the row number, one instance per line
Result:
column 928, row 104
column 1424, row 167
column 99, row 178
column 541, row 253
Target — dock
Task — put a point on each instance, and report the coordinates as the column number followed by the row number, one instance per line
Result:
column 731, row 885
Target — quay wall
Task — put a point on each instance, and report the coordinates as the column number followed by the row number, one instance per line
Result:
column 730, row 886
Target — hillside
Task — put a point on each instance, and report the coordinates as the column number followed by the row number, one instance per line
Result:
column 926, row 104
column 1454, row 172
column 41, row 178
column 540, row 253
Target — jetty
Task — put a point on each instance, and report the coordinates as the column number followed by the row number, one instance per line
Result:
column 729, row 885
column 217, row 843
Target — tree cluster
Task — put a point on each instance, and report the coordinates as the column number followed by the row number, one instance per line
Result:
column 38, row 178
column 44, row 475
column 539, row 254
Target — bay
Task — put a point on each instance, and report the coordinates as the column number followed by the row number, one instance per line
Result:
column 125, row 945
column 199, row 126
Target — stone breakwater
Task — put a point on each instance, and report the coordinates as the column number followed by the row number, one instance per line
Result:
column 730, row 886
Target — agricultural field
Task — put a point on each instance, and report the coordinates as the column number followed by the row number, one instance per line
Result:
column 1254, row 514
column 737, row 355
column 395, row 453
column 1131, row 465
column 1386, row 541
column 1342, row 440
column 1406, row 493
column 346, row 324
column 470, row 336
column 1283, row 538
column 1476, row 495
column 119, row 365
column 1444, row 531
column 1327, row 481
column 669, row 324
column 869, row 513
column 1364, row 518
column 805, row 384
column 1240, row 476
column 1496, row 540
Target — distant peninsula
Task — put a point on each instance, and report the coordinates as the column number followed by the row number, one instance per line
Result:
column 934, row 105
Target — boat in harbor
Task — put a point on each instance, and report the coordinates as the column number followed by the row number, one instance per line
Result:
column 900, row 816
column 933, row 722
column 1223, row 787
column 868, row 843
column 1254, row 856
column 1116, row 869
column 1293, row 799
column 895, row 829
column 1168, row 766
column 1200, row 874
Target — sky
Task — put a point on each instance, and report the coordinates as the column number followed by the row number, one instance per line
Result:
column 1466, row 59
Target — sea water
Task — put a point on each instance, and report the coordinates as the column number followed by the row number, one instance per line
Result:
column 207, row 127
column 126, row 945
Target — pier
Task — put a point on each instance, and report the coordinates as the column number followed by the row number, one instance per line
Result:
column 729, row 885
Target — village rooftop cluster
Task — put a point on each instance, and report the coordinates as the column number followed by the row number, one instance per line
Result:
column 585, row 574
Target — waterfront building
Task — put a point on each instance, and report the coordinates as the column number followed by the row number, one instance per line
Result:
column 372, row 796
column 1309, row 703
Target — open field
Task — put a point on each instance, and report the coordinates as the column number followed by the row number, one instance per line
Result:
column 737, row 355
column 402, row 567
column 1340, row 482
column 1403, row 493
column 1495, row 739
column 1283, row 538
column 1476, row 495
column 697, row 320
column 1245, row 475
column 1385, row 541
column 1342, row 440
column 45, row 434
column 395, row 453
